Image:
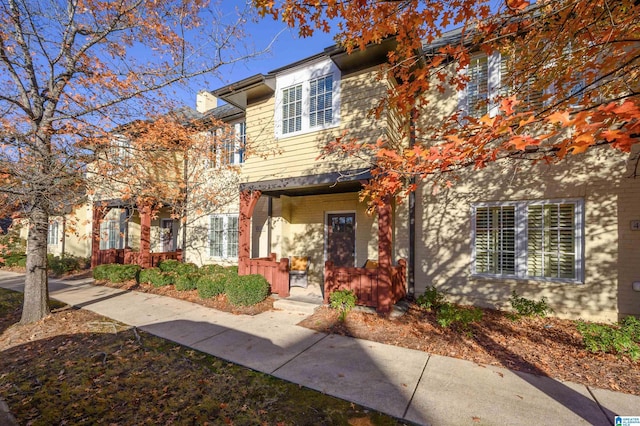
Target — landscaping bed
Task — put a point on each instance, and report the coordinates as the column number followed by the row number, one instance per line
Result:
column 219, row 302
column 545, row 346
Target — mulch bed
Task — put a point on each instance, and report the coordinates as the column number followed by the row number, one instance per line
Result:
column 543, row 346
column 220, row 302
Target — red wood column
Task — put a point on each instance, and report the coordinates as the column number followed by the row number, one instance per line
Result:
column 145, row 235
column 98, row 214
column 385, row 293
column 248, row 201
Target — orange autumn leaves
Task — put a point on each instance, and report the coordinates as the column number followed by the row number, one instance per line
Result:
column 580, row 58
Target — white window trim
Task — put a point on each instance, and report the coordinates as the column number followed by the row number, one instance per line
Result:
column 54, row 229
column 493, row 85
column 225, row 236
column 521, row 239
column 238, row 158
column 304, row 76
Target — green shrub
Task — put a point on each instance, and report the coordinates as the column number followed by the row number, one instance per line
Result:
column 449, row 314
column 622, row 338
column 431, row 299
column 232, row 270
column 101, row 272
column 246, row 290
column 16, row 259
column 65, row 264
column 156, row 277
column 211, row 285
column 186, row 268
column 146, row 275
column 121, row 273
column 212, row 269
column 343, row 301
column 529, row 308
column 169, row 265
column 187, row 282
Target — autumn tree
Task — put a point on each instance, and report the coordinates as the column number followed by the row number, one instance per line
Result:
column 178, row 161
column 581, row 58
column 73, row 70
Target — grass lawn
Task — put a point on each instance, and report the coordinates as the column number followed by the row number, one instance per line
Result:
column 76, row 367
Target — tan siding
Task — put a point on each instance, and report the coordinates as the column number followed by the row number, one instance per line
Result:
column 297, row 155
column 444, row 232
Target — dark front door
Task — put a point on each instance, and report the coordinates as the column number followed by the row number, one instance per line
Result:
column 341, row 239
column 166, row 235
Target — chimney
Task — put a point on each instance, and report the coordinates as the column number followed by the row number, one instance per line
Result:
column 205, row 101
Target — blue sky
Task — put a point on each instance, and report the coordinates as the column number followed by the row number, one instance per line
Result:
column 286, row 48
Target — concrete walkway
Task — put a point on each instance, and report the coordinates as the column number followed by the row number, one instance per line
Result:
column 408, row 384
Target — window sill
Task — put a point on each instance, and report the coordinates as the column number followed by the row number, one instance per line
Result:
column 306, row 131
column 532, row 280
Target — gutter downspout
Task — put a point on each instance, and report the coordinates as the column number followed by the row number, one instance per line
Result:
column 411, row 267
column 184, row 209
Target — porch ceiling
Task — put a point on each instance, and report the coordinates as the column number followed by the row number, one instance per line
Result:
column 328, row 183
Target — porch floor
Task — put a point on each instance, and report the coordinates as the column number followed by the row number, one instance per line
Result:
column 301, row 300
column 311, row 294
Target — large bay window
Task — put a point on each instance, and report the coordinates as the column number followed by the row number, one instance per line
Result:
column 528, row 239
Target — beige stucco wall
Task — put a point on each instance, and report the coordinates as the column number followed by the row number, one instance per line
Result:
column 75, row 228
column 611, row 249
column 295, row 156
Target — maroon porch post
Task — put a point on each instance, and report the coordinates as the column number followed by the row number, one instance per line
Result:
column 248, row 201
column 98, row 214
column 144, row 258
column 385, row 291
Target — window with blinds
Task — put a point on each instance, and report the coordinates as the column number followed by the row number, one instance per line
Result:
column 320, row 98
column 528, row 239
column 495, row 240
column 292, row 109
column 530, row 98
column 223, row 236
column 477, row 87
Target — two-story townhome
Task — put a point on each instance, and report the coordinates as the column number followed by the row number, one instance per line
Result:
column 566, row 232
column 293, row 204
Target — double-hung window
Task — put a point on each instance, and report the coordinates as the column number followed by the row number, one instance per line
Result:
column 529, row 239
column 321, row 94
column 223, row 236
column 292, row 109
column 52, row 237
column 477, row 87
column 113, row 230
column 307, row 99
column 227, row 146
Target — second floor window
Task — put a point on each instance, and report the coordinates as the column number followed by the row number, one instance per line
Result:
column 292, row 109
column 228, row 145
column 320, row 97
column 477, row 87
column 307, row 99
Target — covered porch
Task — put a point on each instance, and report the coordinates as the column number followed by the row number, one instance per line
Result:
column 143, row 234
column 321, row 223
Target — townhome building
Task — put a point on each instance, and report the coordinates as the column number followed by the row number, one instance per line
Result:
column 568, row 232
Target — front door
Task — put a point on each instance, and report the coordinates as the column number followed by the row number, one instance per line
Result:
column 167, row 239
column 341, row 239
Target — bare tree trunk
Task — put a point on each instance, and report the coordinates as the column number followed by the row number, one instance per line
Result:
column 36, row 292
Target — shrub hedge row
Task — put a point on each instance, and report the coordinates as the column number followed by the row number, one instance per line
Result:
column 210, row 280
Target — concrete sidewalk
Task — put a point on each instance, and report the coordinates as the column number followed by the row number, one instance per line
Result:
column 408, row 384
